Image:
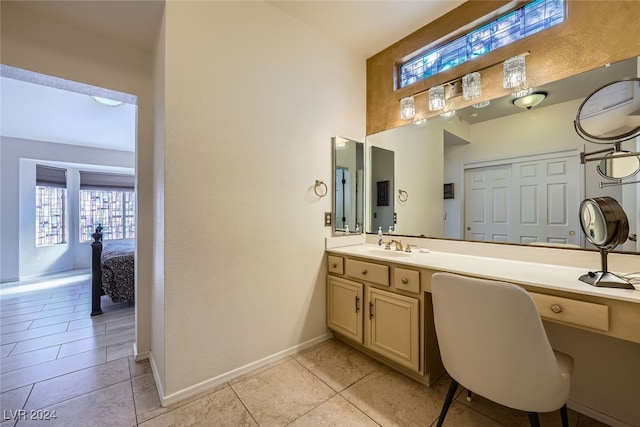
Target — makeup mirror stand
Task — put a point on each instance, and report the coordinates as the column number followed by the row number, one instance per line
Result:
column 605, row 278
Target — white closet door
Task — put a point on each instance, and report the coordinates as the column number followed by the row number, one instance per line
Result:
column 529, row 200
column 488, row 203
column 546, row 200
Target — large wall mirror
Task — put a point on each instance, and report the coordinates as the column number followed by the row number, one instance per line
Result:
column 503, row 173
column 348, row 194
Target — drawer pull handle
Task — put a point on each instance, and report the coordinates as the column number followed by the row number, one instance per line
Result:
column 370, row 310
column 334, row 265
column 404, row 280
column 363, row 272
column 556, row 308
column 357, row 304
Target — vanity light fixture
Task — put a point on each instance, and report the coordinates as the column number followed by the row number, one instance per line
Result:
column 471, row 86
column 407, row 108
column 106, row 101
column 468, row 87
column 514, row 72
column 529, row 101
column 436, row 98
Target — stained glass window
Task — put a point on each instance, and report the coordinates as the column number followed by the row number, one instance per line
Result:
column 49, row 215
column 516, row 25
column 114, row 210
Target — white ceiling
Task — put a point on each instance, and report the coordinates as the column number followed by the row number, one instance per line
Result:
column 37, row 112
column 34, row 111
column 366, row 27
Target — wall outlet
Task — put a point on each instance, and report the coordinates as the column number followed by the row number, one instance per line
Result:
column 327, row 219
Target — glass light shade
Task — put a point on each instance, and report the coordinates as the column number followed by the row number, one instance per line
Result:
column 436, row 98
column 407, row 108
column 448, row 114
column 420, row 121
column 481, row 104
column 529, row 101
column 514, row 72
column 471, row 86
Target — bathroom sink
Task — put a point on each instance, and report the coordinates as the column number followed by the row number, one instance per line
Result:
column 388, row 252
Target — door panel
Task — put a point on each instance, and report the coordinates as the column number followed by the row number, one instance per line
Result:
column 488, row 203
column 539, row 204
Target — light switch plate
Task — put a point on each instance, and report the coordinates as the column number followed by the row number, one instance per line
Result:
column 327, row 219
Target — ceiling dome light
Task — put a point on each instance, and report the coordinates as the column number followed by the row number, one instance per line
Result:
column 106, row 101
column 529, row 101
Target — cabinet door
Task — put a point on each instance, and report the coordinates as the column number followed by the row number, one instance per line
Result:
column 344, row 307
column 394, row 327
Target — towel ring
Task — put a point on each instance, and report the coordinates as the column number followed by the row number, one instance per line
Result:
column 403, row 195
column 320, row 184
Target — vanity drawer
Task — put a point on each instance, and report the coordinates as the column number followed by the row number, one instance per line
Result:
column 374, row 273
column 335, row 264
column 566, row 310
column 406, row 280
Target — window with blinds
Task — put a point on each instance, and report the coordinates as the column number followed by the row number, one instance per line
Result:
column 109, row 200
column 51, row 191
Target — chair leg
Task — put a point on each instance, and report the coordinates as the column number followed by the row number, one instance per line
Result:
column 533, row 419
column 447, row 401
column 564, row 416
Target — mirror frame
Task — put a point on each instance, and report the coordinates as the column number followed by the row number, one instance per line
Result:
column 334, row 219
column 611, row 157
column 609, row 139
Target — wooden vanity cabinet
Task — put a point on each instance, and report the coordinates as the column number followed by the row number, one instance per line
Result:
column 393, row 327
column 380, row 308
column 344, row 307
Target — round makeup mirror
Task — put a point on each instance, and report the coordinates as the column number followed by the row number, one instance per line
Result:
column 611, row 113
column 606, row 226
column 619, row 165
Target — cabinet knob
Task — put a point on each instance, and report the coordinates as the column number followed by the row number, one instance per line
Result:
column 404, row 280
column 334, row 265
column 363, row 272
column 556, row 308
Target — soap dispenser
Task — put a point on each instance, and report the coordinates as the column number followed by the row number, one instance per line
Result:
column 379, row 236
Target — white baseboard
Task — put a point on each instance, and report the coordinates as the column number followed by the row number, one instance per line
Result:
column 596, row 415
column 156, row 377
column 139, row 356
column 166, row 400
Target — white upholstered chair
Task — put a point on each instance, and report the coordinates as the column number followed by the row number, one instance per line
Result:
column 493, row 343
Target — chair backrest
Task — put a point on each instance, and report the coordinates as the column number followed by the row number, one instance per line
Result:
column 492, row 342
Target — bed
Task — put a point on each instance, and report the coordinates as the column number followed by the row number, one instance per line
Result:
column 112, row 271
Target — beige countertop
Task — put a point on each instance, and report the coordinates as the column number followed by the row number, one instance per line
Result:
column 554, row 277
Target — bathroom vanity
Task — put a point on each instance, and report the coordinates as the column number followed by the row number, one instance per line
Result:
column 379, row 301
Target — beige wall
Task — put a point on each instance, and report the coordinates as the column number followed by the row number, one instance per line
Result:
column 595, row 33
column 43, row 45
column 252, row 98
column 418, row 170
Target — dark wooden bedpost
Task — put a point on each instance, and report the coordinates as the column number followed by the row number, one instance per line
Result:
column 96, row 271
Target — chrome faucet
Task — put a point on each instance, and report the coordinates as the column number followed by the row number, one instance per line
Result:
column 396, row 242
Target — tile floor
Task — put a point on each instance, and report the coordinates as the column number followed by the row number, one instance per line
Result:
column 56, row 359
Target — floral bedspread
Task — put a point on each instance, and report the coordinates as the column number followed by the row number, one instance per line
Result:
column 118, row 271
